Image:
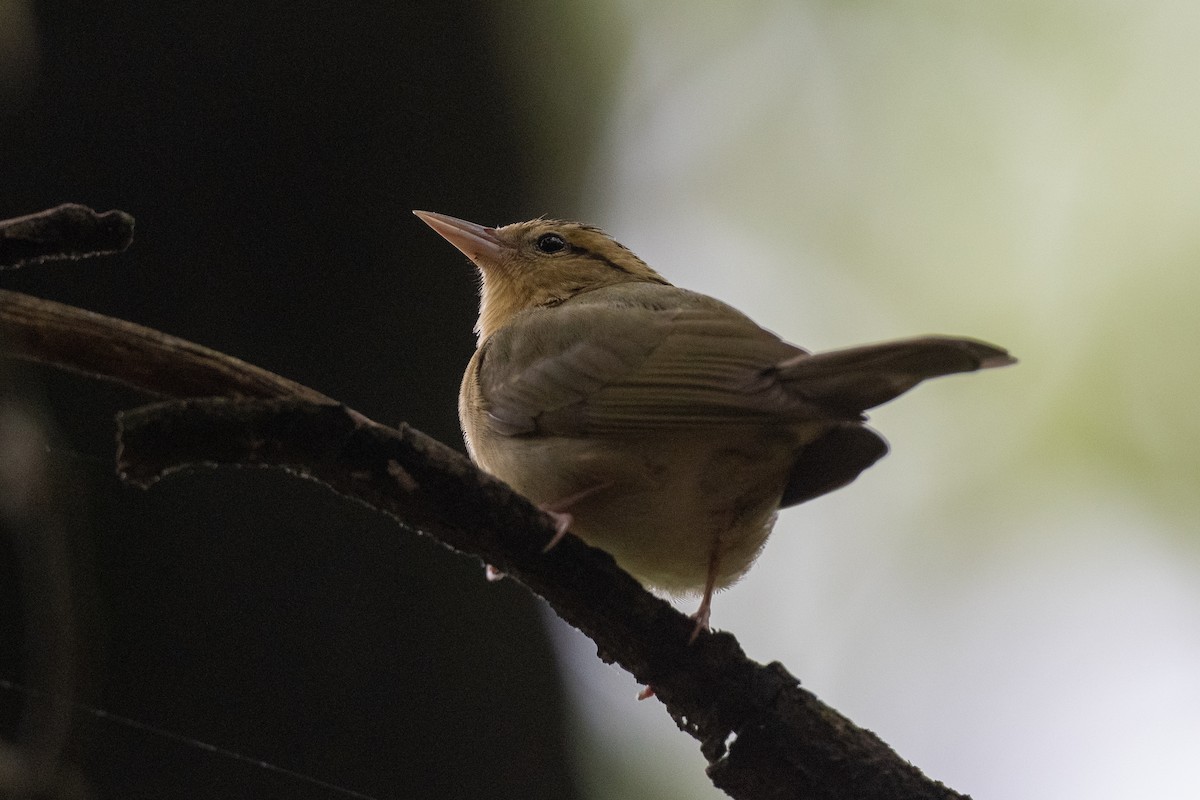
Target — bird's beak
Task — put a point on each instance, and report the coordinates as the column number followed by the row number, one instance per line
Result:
column 478, row 243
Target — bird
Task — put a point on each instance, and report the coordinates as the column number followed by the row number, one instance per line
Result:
column 656, row 423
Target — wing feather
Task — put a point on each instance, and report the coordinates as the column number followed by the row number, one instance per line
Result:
column 644, row 357
column 653, row 368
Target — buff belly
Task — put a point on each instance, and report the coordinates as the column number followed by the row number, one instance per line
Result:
column 664, row 506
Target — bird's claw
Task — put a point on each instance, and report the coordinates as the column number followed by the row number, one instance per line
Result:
column 562, row 522
column 701, row 617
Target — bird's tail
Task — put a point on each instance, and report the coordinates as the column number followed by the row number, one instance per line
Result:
column 853, row 380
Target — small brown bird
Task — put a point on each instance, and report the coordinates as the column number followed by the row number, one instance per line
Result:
column 659, row 424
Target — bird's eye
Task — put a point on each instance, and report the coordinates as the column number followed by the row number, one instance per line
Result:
column 550, row 243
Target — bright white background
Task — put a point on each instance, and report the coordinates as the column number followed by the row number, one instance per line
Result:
column 1011, row 599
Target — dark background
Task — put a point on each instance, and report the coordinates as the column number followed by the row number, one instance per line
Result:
column 271, row 153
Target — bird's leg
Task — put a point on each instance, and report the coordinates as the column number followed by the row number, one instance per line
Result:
column 702, row 614
column 705, row 610
column 557, row 511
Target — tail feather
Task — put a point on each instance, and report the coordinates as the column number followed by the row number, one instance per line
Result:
column 831, row 461
column 858, row 378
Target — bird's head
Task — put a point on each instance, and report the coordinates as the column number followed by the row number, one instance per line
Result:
column 542, row 262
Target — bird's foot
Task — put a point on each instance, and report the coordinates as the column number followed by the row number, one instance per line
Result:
column 562, row 523
column 701, row 616
column 557, row 511
column 705, row 610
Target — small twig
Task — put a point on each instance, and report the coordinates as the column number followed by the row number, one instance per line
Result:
column 65, row 232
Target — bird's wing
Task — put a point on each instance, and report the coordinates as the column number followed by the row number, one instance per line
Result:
column 597, row 369
column 641, row 357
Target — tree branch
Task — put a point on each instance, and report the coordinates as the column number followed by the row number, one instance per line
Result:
column 764, row 736
column 785, row 742
column 142, row 358
column 66, row 231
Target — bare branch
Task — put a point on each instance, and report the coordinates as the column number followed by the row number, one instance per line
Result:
column 36, row 330
column 64, row 232
column 783, row 742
